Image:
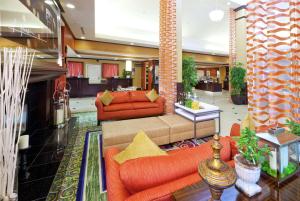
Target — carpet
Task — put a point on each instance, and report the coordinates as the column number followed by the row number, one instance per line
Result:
column 92, row 171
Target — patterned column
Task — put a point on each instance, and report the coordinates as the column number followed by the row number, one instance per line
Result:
column 168, row 53
column 273, row 53
column 232, row 37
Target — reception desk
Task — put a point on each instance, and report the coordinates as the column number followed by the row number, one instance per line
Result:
column 209, row 86
column 82, row 88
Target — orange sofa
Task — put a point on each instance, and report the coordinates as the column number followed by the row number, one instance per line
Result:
column 156, row 178
column 131, row 104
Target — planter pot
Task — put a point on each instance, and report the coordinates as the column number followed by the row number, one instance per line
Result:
column 239, row 99
column 248, row 176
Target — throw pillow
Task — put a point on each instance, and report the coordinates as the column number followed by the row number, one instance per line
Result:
column 141, row 146
column 152, row 95
column 106, row 98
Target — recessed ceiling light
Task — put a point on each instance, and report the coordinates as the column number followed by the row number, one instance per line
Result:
column 131, row 43
column 228, row 3
column 49, row 2
column 82, row 37
column 69, row 5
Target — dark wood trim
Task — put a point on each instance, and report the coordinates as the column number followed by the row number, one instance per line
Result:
column 240, row 8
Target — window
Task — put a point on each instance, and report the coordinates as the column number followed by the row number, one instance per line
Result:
column 75, row 69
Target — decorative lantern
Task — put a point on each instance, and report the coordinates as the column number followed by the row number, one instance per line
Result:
column 283, row 161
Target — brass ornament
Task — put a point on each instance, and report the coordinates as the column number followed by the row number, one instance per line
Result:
column 215, row 172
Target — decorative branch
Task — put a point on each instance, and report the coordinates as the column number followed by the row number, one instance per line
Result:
column 16, row 65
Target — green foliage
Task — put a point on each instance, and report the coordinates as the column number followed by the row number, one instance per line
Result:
column 237, row 78
column 294, row 127
column 288, row 170
column 188, row 103
column 189, row 74
column 249, row 149
column 125, row 73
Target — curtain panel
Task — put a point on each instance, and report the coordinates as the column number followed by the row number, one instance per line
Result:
column 273, row 55
column 110, row 70
column 75, row 69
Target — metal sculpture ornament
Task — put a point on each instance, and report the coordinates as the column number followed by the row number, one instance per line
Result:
column 15, row 69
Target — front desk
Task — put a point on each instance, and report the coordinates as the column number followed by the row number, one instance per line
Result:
column 80, row 87
column 209, row 86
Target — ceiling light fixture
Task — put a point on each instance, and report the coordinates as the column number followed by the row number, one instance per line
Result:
column 217, row 14
column 82, row 37
column 69, row 5
column 49, row 2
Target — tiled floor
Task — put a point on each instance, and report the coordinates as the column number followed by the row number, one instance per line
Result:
column 39, row 164
column 231, row 113
column 86, row 104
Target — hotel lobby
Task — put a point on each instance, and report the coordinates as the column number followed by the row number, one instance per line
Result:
column 166, row 100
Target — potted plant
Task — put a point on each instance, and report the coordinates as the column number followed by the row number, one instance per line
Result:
column 189, row 75
column 238, row 86
column 248, row 161
column 294, row 129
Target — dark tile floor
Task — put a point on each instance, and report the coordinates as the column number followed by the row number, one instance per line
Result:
column 39, row 164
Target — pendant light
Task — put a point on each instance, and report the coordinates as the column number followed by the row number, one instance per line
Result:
column 217, row 14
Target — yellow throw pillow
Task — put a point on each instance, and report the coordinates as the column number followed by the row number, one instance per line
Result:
column 141, row 146
column 248, row 122
column 152, row 95
column 106, row 98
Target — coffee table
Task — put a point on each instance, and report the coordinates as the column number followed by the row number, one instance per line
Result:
column 205, row 113
column 288, row 191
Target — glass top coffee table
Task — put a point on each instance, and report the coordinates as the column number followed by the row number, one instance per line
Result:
column 288, row 191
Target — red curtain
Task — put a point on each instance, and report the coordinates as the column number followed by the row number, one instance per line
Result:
column 110, row 70
column 75, row 69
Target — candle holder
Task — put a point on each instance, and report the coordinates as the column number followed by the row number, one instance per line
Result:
column 216, row 173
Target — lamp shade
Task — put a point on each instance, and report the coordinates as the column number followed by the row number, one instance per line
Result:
column 128, row 66
column 216, row 15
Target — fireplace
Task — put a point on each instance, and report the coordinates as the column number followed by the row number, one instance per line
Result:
column 39, row 105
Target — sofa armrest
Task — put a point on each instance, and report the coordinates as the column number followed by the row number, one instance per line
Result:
column 98, row 102
column 116, row 190
column 161, row 101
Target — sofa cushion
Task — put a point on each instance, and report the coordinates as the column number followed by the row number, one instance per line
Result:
column 138, row 96
column 120, row 97
column 118, row 107
column 141, row 146
column 144, row 105
column 143, row 173
column 152, row 95
column 106, row 98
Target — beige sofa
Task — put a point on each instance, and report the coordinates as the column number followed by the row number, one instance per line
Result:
column 162, row 130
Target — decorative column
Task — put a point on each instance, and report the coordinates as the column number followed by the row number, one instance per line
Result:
column 232, row 37
column 169, row 51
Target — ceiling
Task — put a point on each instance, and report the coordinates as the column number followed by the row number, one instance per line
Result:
column 136, row 22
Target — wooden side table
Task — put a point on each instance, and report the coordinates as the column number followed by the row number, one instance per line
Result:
column 288, row 191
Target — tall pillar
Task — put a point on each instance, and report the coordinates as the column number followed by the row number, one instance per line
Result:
column 170, row 51
column 232, row 37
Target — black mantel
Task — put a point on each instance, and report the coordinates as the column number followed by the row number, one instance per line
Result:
column 42, row 71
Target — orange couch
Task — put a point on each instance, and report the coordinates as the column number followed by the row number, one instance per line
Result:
column 156, row 178
column 125, row 105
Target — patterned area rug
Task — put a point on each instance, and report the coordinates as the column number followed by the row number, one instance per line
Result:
column 92, row 173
